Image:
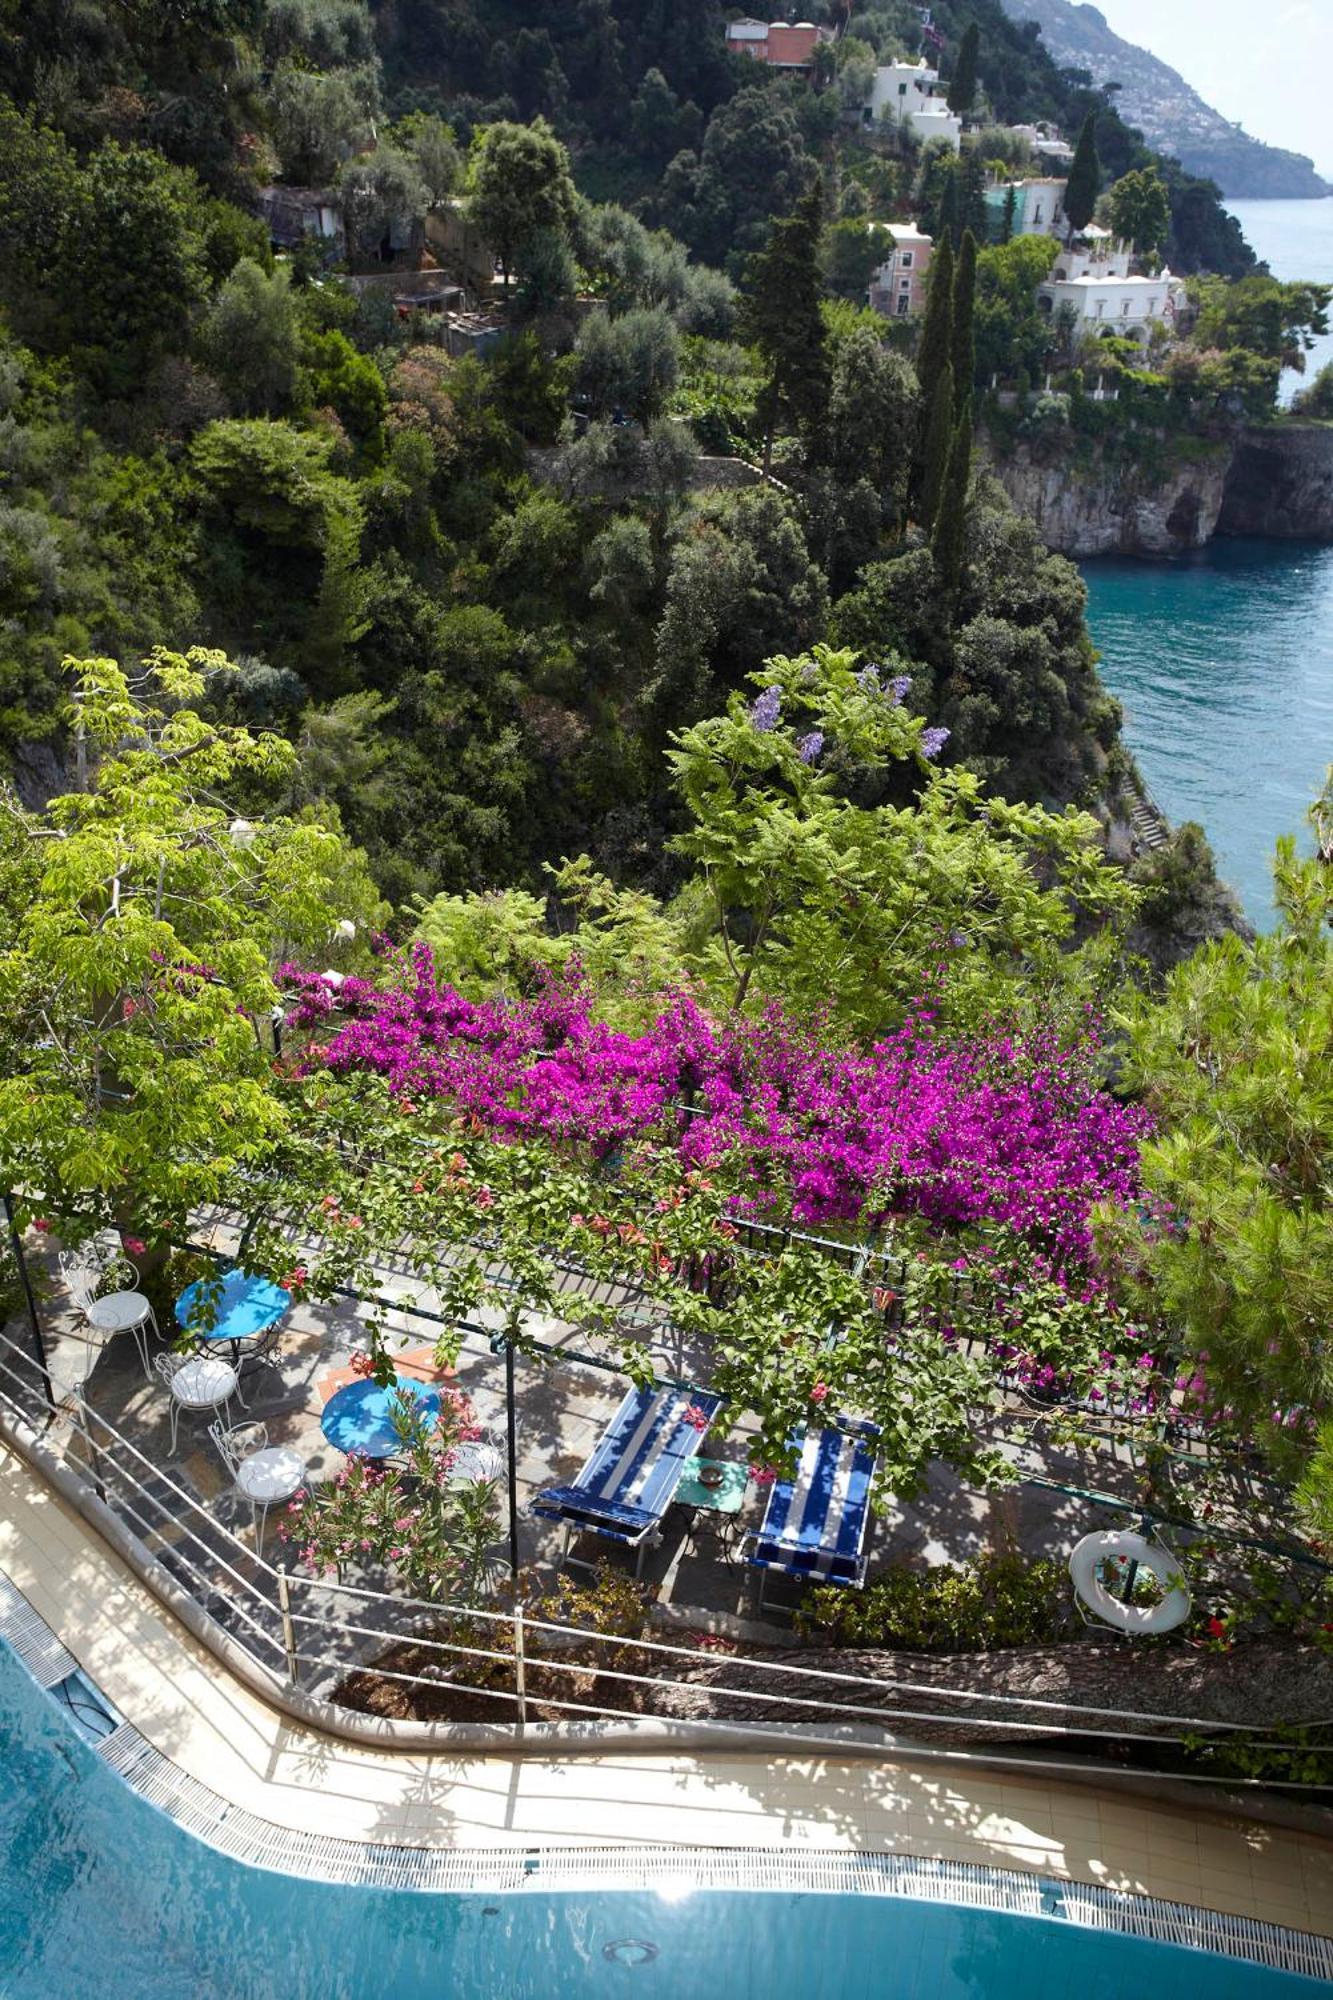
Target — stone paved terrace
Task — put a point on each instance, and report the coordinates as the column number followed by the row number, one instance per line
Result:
column 563, row 1404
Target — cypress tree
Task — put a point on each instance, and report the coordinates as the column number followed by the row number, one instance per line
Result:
column 780, row 315
column 938, row 448
column 962, row 92
column 1010, row 214
column 947, row 539
column 932, row 357
column 964, row 348
column 937, row 323
column 972, row 211
column 1085, row 178
column 948, row 223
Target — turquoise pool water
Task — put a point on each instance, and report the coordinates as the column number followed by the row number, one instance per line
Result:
column 102, row 1895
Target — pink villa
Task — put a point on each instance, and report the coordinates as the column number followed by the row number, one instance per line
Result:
column 780, row 44
column 897, row 288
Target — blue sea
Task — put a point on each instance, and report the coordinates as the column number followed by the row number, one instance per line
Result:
column 1224, row 660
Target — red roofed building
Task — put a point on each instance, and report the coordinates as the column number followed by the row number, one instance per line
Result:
column 780, row 44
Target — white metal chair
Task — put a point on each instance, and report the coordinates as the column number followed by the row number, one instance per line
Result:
column 266, row 1475
column 197, row 1382
column 125, row 1310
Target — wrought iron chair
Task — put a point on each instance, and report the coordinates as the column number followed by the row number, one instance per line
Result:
column 124, row 1309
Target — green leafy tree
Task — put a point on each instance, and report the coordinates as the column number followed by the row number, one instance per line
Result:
column 1233, row 1246
column 780, row 316
column 380, row 192
column 962, row 91
column 321, row 119
column 1279, row 321
column 249, row 339
column 138, row 977
column 1085, row 179
column 627, row 364
column 821, row 900
column 134, row 259
column 1139, row 210
column 520, row 187
column 1011, row 333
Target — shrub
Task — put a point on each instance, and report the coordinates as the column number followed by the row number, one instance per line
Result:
column 994, row 1601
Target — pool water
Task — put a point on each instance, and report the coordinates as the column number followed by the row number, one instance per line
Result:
column 102, row 1895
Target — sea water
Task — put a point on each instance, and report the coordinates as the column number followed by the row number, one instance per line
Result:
column 1224, row 660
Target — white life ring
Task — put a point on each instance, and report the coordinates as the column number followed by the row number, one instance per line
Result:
column 1085, row 1570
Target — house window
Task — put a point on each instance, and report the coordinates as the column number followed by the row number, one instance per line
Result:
column 1101, row 307
column 1124, row 308
column 902, row 90
column 1036, row 213
column 904, row 284
column 906, row 260
column 904, row 305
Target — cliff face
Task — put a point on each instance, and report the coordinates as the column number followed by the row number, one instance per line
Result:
column 1281, row 484
column 1272, row 481
column 1106, row 510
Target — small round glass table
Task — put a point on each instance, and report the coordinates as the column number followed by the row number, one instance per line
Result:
column 359, row 1418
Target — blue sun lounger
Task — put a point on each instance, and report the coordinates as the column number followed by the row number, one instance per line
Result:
column 631, row 1477
column 816, row 1522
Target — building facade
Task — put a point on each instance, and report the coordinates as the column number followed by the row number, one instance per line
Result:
column 910, row 94
column 1039, row 207
column 897, row 289
column 780, row 44
column 1094, row 281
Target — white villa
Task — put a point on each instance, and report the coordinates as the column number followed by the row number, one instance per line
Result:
column 1039, row 206
column 910, row 94
column 1093, row 277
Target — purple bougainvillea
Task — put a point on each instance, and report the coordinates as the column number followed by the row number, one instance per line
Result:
column 999, row 1130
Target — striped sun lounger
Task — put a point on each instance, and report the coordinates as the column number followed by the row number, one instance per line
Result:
column 631, row 1477
column 815, row 1523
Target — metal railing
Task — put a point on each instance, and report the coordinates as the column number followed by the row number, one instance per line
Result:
column 309, row 1635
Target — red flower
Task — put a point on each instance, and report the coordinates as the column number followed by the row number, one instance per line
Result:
column 40, row 1223
column 700, row 1419
column 1216, row 1628
column 362, row 1364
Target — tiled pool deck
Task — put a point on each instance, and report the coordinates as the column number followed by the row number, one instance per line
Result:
column 192, row 1712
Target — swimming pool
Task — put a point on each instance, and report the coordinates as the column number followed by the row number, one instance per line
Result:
column 103, row 1894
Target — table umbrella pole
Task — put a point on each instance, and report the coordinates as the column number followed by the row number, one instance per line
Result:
column 511, row 1429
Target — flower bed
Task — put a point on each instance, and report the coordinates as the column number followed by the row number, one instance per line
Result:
column 999, row 1131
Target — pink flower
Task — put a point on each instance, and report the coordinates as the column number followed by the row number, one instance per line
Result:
column 699, row 1419
column 763, row 1475
column 485, row 1199
column 819, row 1392
column 135, row 1245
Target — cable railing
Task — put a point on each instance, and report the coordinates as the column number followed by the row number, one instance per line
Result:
column 310, row 1635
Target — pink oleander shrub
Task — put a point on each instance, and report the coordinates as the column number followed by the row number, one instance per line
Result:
column 993, row 1131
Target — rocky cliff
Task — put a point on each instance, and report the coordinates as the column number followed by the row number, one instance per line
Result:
column 1102, row 509
column 1271, row 481
column 1280, row 484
